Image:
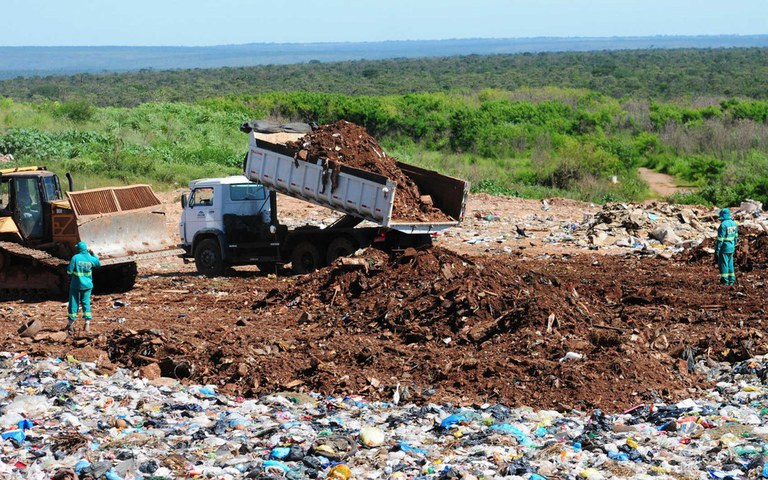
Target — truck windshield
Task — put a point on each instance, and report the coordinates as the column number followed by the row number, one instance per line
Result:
column 247, row 191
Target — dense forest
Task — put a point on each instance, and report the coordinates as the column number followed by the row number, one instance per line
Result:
column 658, row 74
column 544, row 139
column 62, row 60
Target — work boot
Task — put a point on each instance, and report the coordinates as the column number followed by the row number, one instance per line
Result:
column 70, row 328
column 87, row 326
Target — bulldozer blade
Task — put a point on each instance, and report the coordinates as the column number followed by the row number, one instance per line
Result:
column 121, row 222
column 125, row 234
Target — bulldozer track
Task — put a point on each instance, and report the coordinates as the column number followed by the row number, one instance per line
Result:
column 31, row 253
column 26, row 272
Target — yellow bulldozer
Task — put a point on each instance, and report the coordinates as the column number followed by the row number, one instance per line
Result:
column 40, row 224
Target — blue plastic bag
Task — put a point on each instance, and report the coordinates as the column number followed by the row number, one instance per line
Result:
column 452, row 420
column 521, row 437
column 17, row 435
column 279, row 452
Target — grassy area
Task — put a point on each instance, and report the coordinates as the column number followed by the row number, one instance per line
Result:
column 528, row 142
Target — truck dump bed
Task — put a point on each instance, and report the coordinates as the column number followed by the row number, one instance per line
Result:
column 359, row 193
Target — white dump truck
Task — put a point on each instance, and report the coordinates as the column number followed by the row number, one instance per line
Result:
column 234, row 220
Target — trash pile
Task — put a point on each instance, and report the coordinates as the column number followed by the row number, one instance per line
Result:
column 62, row 420
column 654, row 228
column 649, row 225
column 346, row 144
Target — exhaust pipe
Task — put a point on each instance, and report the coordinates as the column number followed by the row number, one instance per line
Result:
column 70, row 182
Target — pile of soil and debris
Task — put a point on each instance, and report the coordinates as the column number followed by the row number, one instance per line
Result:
column 751, row 250
column 428, row 294
column 625, row 225
column 344, row 143
column 476, row 326
column 571, row 331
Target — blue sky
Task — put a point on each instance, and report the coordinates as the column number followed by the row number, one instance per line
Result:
column 217, row 22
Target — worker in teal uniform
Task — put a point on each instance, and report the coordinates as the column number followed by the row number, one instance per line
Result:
column 80, row 271
column 725, row 246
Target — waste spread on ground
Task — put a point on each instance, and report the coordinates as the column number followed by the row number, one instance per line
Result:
column 558, row 333
column 62, row 420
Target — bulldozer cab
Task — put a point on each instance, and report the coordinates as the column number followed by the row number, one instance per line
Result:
column 26, row 197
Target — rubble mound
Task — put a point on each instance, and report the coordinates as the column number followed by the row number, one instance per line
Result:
column 627, row 225
column 571, row 331
column 751, row 250
column 344, row 143
column 456, row 326
column 428, row 294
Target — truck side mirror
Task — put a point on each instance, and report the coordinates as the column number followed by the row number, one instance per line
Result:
column 183, row 201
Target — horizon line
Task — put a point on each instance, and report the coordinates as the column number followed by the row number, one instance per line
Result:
column 607, row 37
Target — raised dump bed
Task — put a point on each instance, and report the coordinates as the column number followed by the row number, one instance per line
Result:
column 352, row 191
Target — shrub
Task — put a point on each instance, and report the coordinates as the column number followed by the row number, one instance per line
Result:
column 79, row 111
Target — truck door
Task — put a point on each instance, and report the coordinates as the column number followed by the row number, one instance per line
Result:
column 200, row 212
column 246, row 212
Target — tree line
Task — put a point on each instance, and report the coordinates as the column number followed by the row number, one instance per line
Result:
column 648, row 74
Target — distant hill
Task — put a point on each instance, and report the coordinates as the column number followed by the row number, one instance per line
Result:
column 42, row 61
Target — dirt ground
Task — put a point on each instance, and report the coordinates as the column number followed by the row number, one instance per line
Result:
column 464, row 322
column 661, row 184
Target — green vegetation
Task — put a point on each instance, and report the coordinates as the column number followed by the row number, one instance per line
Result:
column 533, row 142
column 658, row 74
column 160, row 143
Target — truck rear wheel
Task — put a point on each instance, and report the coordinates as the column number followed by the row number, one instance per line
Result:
column 305, row 258
column 339, row 247
column 208, row 259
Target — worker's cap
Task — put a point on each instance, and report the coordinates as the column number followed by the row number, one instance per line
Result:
column 81, row 247
column 725, row 214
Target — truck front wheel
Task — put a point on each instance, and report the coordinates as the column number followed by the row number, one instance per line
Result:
column 208, row 258
column 305, row 258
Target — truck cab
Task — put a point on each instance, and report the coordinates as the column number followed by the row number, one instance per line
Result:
column 229, row 221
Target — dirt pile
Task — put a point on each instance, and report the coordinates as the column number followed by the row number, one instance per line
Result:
column 429, row 294
column 344, row 143
column 751, row 250
column 462, row 327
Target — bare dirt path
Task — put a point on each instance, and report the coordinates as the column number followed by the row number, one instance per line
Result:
column 661, row 184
